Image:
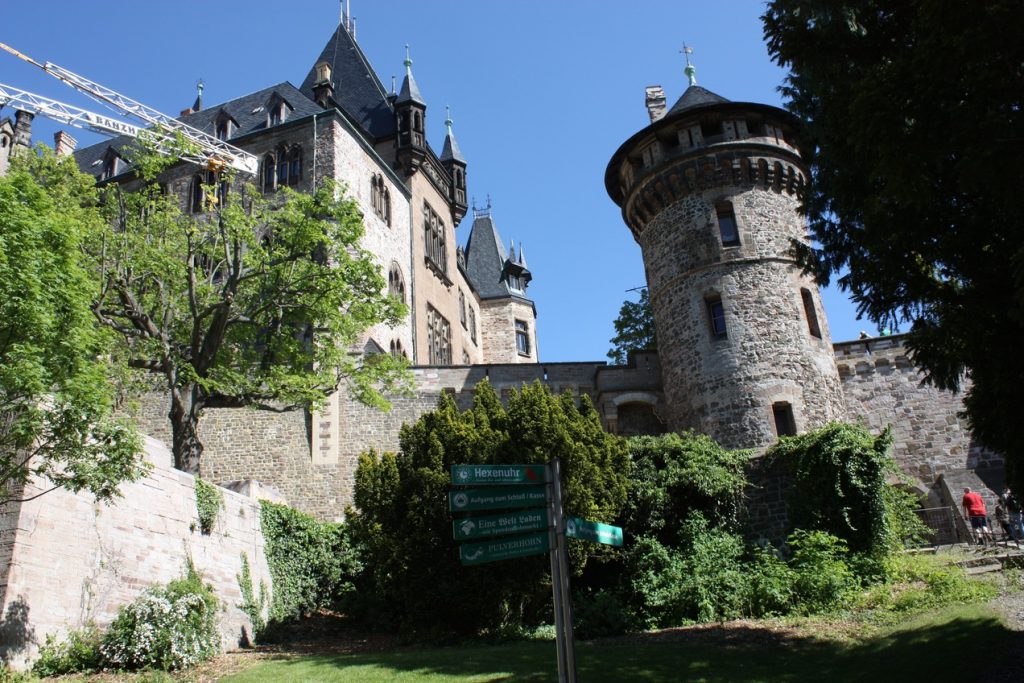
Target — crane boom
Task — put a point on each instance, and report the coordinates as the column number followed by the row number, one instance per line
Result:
column 64, row 113
column 213, row 150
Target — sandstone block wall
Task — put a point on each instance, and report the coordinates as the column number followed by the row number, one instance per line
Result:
column 70, row 560
column 882, row 387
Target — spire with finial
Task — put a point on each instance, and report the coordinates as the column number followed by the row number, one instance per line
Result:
column 198, row 104
column 410, row 92
column 451, row 151
column 690, row 70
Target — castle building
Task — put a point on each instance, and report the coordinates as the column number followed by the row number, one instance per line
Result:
column 709, row 190
column 466, row 306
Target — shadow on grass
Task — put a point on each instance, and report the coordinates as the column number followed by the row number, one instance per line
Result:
column 948, row 650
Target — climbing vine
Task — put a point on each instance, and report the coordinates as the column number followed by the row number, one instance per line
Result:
column 209, row 501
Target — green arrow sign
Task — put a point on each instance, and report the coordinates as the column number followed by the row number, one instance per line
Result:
column 497, row 474
column 496, row 498
column 594, row 532
column 504, row 549
column 494, row 525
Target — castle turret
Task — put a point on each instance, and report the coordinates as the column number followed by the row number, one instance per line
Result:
column 453, row 162
column 709, row 190
column 411, row 113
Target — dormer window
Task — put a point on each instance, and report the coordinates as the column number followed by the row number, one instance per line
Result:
column 111, row 165
column 277, row 111
column 225, row 127
column 323, row 72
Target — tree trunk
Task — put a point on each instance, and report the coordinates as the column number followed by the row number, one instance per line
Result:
column 184, row 416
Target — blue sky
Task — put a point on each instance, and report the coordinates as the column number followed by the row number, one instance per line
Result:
column 542, row 94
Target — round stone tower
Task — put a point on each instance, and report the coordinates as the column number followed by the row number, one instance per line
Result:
column 709, row 190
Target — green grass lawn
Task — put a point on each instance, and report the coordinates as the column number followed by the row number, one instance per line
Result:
column 950, row 644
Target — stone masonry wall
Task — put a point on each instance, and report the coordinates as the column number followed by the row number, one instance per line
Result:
column 883, row 387
column 72, row 560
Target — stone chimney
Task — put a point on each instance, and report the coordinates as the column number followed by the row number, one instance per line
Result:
column 63, row 143
column 655, row 102
column 22, row 129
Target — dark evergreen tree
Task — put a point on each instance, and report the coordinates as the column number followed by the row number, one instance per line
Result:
column 914, row 127
column 634, row 329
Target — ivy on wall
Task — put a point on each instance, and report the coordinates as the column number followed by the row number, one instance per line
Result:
column 209, row 501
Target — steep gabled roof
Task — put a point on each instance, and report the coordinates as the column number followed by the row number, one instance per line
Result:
column 485, row 260
column 357, row 89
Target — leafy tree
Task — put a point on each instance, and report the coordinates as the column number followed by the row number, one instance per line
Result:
column 413, row 579
column 913, row 131
column 56, row 395
column 676, row 475
column 634, row 329
column 258, row 301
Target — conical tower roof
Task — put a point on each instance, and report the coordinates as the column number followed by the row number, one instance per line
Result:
column 451, row 151
column 695, row 96
column 410, row 92
column 357, row 89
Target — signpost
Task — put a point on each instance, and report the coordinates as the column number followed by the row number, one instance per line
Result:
column 504, row 548
column 510, row 487
column 463, row 475
column 595, row 532
column 496, row 498
column 505, row 523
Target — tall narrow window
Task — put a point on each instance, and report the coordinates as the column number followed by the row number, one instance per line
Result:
column 295, row 165
column 282, row 167
column 462, row 308
column 269, row 169
column 522, row 338
column 727, row 224
column 812, row 316
column 436, row 254
column 716, row 316
column 439, row 338
column 472, row 324
column 196, row 194
column 396, row 283
column 782, row 413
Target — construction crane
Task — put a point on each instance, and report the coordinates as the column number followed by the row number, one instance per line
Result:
column 209, row 150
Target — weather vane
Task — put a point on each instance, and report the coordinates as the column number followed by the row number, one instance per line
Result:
column 690, row 70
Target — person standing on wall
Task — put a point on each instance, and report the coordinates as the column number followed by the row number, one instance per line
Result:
column 975, row 512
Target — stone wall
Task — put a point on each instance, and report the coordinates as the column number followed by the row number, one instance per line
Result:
column 70, row 560
column 883, row 387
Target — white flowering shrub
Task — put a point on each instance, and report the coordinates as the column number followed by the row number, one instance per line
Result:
column 167, row 627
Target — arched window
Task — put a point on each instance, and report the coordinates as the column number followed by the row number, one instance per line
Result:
column 269, row 167
column 417, row 121
column 472, row 324
column 295, row 165
column 282, row 167
column 397, row 350
column 385, row 204
column 396, row 283
column 462, row 309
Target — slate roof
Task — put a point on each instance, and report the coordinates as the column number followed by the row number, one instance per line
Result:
column 695, row 96
column 357, row 89
column 410, row 92
column 485, row 260
column 451, row 151
column 248, row 112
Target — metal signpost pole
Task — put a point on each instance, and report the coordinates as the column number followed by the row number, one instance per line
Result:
column 554, row 520
column 562, row 554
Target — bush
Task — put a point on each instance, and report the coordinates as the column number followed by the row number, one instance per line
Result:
column 714, row 581
column 675, row 475
column 312, row 563
column 839, row 484
column 654, row 574
column 919, row 582
column 209, row 501
column 169, row 627
column 78, row 652
column 413, row 579
column 600, row 613
column 822, row 577
column 772, row 590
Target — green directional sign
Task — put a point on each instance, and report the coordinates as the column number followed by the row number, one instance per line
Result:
column 496, row 498
column 504, row 548
column 505, row 523
column 594, row 532
column 464, row 475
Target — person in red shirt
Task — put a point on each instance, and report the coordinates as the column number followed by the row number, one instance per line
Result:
column 974, row 510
